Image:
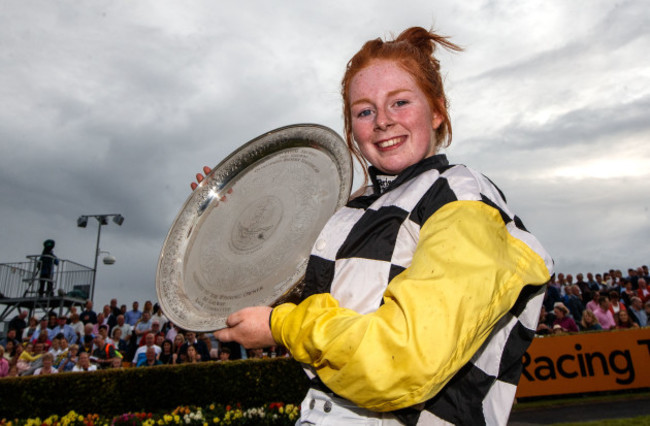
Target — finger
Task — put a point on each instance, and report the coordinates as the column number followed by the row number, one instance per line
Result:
column 206, row 170
column 193, row 185
column 199, row 177
column 223, row 335
column 233, row 319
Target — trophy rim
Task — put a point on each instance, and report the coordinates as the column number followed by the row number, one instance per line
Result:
column 170, row 284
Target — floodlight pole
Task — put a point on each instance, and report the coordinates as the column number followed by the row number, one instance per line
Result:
column 102, row 219
column 92, row 287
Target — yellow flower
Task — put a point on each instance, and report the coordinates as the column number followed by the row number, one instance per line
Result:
column 216, row 420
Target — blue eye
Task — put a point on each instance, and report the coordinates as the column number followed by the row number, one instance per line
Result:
column 364, row 113
column 401, row 103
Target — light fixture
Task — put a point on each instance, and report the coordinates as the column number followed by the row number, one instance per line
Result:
column 82, row 221
column 102, row 219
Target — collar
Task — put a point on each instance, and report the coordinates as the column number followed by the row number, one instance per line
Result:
column 383, row 182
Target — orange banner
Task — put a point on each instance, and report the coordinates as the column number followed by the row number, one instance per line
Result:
column 586, row 362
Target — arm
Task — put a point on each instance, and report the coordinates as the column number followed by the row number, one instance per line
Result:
column 466, row 273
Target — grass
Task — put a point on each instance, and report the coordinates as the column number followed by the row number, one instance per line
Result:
column 633, row 421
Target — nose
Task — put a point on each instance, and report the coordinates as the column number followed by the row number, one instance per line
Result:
column 383, row 120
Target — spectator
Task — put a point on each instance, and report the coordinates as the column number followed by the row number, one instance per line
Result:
column 47, row 368
column 545, row 324
column 42, row 326
column 158, row 315
column 589, row 322
column 10, row 349
column 115, row 309
column 51, row 320
column 104, row 353
column 593, row 304
column 148, row 307
column 76, row 325
column 88, row 315
column 133, row 315
column 149, row 342
column 192, row 356
column 563, row 319
column 551, row 297
column 116, row 363
column 574, row 302
column 636, row 311
column 124, row 326
column 614, row 305
column 172, row 332
column 4, row 363
column 144, row 325
column 30, row 358
column 18, row 323
column 101, row 320
column 623, row 320
column 167, row 356
column 592, row 283
column 43, row 337
column 643, row 293
column 10, row 337
column 63, row 328
column 179, row 340
column 149, row 358
column 28, row 332
column 119, row 343
column 55, row 347
column 68, row 363
column 84, row 363
column 155, row 330
column 224, row 354
column 628, row 294
column 103, row 331
column 199, row 345
column 604, row 315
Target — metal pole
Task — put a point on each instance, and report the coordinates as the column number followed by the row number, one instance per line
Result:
column 92, row 288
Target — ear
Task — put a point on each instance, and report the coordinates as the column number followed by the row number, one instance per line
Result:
column 437, row 121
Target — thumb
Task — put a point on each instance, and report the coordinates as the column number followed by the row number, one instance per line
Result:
column 223, row 335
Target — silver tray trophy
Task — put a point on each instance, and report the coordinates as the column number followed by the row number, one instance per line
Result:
column 243, row 237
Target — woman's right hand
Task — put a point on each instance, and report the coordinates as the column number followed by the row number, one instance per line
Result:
column 200, row 177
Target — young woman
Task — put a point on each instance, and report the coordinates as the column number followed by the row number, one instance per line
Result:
column 423, row 292
column 167, row 355
column 589, row 322
column 623, row 320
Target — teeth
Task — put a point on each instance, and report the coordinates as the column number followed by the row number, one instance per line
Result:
column 389, row 142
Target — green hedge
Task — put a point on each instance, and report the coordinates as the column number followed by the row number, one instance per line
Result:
column 108, row 392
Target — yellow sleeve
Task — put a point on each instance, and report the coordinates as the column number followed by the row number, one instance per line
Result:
column 467, row 272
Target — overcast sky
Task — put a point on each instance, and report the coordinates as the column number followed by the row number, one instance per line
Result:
column 113, row 106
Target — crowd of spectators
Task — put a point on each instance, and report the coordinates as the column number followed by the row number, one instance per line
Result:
column 116, row 337
column 611, row 300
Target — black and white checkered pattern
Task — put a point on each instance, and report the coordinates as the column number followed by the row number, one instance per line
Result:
column 372, row 239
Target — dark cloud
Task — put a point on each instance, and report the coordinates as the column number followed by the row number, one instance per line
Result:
column 113, row 107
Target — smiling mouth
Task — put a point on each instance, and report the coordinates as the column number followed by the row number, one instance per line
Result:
column 390, row 142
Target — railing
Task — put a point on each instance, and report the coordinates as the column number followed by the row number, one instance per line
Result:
column 22, row 279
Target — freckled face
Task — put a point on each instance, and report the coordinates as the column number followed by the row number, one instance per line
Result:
column 392, row 121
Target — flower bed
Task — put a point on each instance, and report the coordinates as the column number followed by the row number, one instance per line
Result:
column 275, row 413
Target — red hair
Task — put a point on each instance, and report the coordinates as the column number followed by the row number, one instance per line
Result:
column 413, row 49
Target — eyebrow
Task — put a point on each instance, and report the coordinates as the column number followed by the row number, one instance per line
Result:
column 389, row 94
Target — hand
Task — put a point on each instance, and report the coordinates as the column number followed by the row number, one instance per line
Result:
column 249, row 327
column 200, row 177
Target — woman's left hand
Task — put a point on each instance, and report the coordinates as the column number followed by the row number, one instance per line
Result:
column 249, row 327
column 200, row 177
